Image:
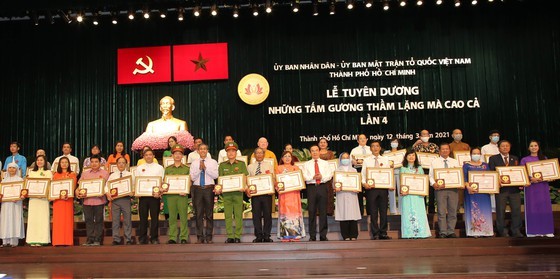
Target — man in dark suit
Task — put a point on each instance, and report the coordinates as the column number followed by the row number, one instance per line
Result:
column 506, row 194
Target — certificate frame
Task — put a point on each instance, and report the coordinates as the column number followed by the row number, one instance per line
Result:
column 333, row 164
column 121, row 183
column 387, row 174
column 455, row 173
column 59, row 185
column 396, row 157
column 37, row 187
column 230, row 180
column 267, row 180
column 169, row 179
column 95, row 187
column 342, row 176
column 140, row 189
column 292, row 180
column 487, row 157
column 14, row 189
column 519, row 172
column 132, row 170
column 488, row 181
column 417, row 184
column 73, row 166
column 168, row 161
column 428, row 158
column 462, row 156
column 550, row 175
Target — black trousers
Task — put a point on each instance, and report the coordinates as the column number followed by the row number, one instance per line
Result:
column 148, row 205
column 93, row 215
column 361, row 196
column 317, row 200
column 262, row 215
column 349, row 229
column 203, row 203
column 377, row 203
column 514, row 199
column 431, row 197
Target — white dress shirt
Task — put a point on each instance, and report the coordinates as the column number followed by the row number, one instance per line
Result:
column 73, row 160
column 210, row 174
column 194, row 155
column 360, row 150
column 153, row 169
column 439, row 163
column 222, row 155
column 491, row 149
column 325, row 169
column 369, row 162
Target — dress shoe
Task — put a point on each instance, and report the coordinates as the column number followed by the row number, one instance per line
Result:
column 384, row 236
column 155, row 241
column 323, row 238
column 208, row 241
column 184, row 241
column 230, row 240
column 96, row 243
column 442, row 235
column 237, row 240
column 518, row 235
column 375, row 237
column 267, row 240
column 256, row 240
column 171, row 241
column 200, row 240
column 312, row 238
column 453, row 235
column 143, row 241
column 129, row 242
column 116, row 242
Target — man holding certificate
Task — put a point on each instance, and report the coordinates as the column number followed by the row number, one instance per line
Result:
column 233, row 201
column 93, row 206
column 177, row 203
column 447, row 199
column 377, row 200
column 120, row 205
column 261, row 206
column 203, row 172
column 511, row 194
column 149, row 204
column 317, row 173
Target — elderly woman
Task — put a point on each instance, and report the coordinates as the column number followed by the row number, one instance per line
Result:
column 290, row 216
column 347, row 209
column 11, row 216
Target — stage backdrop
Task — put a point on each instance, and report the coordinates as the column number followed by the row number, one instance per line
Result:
column 385, row 74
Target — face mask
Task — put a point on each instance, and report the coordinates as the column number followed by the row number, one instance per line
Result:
column 394, row 144
column 495, row 139
column 475, row 157
column 458, row 137
column 424, row 139
column 345, row 162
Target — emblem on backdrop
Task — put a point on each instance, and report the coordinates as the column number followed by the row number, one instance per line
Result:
column 144, row 65
column 253, row 89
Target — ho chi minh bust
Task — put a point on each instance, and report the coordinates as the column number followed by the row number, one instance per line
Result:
column 167, row 123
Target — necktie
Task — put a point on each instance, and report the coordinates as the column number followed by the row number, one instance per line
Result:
column 121, row 173
column 258, row 171
column 202, row 177
column 317, row 181
column 445, row 165
column 376, row 162
column 363, row 150
column 506, row 161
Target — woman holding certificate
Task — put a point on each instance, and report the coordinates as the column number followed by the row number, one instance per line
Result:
column 290, row 216
column 478, row 209
column 327, row 155
column 11, row 216
column 538, row 209
column 63, row 208
column 39, row 217
column 347, row 209
column 414, row 221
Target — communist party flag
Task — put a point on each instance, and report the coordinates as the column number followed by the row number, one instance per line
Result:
column 144, row 65
column 200, row 62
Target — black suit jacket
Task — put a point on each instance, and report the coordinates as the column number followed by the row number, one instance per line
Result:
column 498, row 161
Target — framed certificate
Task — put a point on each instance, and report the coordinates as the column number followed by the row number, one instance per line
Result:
column 426, row 159
column 487, row 157
column 133, row 172
column 396, row 157
column 144, row 185
column 548, row 169
column 415, row 184
column 380, row 178
column 178, row 184
column 73, row 166
column 94, row 187
column 61, row 188
column 513, row 176
column 232, row 183
column 299, row 164
column 360, row 158
column 37, row 187
column 333, row 164
column 488, row 181
column 264, row 184
column 349, row 181
column 121, row 187
column 452, row 177
column 462, row 156
column 290, row 181
column 11, row 191
column 168, row 161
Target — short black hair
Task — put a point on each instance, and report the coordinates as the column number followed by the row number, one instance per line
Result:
column 493, row 132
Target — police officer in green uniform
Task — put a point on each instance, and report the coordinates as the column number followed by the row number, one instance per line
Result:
column 177, row 203
column 233, row 201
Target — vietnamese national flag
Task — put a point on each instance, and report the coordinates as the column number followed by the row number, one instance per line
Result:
column 144, row 65
column 200, row 62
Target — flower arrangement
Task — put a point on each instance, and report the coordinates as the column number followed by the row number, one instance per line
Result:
column 159, row 141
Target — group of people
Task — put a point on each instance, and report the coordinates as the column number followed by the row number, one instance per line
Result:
column 317, row 173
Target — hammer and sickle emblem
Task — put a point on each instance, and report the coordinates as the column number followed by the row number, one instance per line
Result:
column 147, row 68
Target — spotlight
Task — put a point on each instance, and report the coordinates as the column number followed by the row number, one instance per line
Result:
column 146, row 13
column 34, row 17
column 214, row 10
column 457, row 3
column 369, row 3
column 255, row 9
column 95, row 19
column 350, row 4
column 196, row 11
column 474, row 2
column 268, row 5
column 490, row 1
column 295, row 6
column 64, row 17
column 235, row 11
column 332, row 8
column 181, row 14
column 80, row 17
column 163, row 13
column 386, row 5
column 114, row 17
column 419, row 3
column 402, row 3
column 49, row 17
column 131, row 14
column 438, row 2
column 315, row 8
